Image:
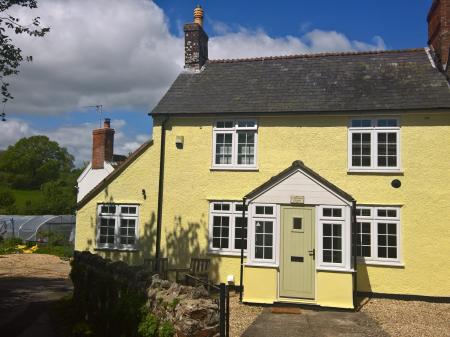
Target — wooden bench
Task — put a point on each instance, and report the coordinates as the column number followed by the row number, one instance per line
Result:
column 198, row 268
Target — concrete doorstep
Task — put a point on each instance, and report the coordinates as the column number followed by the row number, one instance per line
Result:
column 314, row 323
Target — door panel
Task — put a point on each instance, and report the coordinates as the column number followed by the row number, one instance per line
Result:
column 297, row 265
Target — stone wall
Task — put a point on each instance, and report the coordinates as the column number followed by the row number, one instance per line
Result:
column 115, row 297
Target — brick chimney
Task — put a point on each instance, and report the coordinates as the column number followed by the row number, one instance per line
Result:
column 102, row 145
column 195, row 42
column 439, row 30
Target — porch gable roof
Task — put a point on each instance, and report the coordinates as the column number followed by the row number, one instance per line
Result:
column 299, row 165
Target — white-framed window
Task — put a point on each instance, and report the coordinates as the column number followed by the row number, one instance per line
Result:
column 264, row 233
column 117, row 226
column 374, row 144
column 378, row 234
column 235, row 144
column 226, row 227
column 333, row 250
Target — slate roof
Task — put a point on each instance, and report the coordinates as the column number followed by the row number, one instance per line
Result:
column 335, row 82
column 299, row 165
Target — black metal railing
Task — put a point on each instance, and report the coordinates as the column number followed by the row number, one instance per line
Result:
column 223, row 302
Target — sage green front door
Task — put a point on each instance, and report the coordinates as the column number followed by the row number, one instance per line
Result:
column 297, row 266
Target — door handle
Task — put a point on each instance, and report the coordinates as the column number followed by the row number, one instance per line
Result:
column 312, row 253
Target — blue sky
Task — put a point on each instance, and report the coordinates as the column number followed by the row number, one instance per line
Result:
column 125, row 54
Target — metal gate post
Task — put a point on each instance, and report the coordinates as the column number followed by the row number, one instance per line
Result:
column 227, row 315
column 222, row 310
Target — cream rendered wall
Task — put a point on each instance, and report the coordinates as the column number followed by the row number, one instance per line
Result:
column 91, row 178
column 321, row 143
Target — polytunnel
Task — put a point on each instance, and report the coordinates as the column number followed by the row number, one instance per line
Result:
column 27, row 227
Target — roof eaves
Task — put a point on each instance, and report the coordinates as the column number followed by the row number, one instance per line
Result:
column 114, row 174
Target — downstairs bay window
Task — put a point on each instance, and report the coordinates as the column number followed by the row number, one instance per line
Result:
column 378, row 234
column 227, row 227
column 117, row 226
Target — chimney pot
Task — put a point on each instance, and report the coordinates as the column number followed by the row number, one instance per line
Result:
column 107, row 123
column 198, row 15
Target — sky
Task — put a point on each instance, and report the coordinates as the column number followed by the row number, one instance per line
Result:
column 124, row 54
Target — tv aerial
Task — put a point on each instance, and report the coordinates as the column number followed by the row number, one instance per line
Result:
column 99, row 109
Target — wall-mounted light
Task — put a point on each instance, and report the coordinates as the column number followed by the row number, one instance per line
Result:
column 144, row 194
column 179, row 142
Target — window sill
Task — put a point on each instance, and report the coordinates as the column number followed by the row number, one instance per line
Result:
column 233, row 168
column 108, row 249
column 335, row 269
column 226, row 253
column 262, row 265
column 362, row 261
column 395, row 172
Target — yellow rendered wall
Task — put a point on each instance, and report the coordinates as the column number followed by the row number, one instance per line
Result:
column 334, row 289
column 321, row 142
column 260, row 285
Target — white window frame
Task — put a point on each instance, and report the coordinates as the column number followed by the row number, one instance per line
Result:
column 344, row 221
column 117, row 216
column 232, row 214
column 252, row 260
column 234, row 155
column 374, row 220
column 374, row 130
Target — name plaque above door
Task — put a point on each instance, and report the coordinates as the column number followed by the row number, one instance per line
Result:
column 297, row 199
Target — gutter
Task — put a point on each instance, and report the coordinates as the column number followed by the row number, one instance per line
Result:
column 355, row 254
column 241, row 285
column 160, row 194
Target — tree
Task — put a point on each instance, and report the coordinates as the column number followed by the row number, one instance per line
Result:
column 34, row 161
column 10, row 55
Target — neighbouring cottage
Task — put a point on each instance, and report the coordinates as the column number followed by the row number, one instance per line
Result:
column 339, row 162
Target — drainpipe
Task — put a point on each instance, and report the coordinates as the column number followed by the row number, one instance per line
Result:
column 242, row 250
column 355, row 253
column 160, row 194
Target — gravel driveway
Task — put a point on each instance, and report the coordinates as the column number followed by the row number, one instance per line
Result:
column 29, row 283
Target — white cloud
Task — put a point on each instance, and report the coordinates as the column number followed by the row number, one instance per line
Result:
column 77, row 139
column 121, row 54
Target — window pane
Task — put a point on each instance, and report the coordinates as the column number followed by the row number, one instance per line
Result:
column 358, row 123
column 387, row 123
column 332, row 243
column 246, row 124
column 224, row 148
column 246, row 148
column 363, row 237
column 264, row 210
column 221, row 233
column 127, row 231
column 225, row 124
column 240, row 229
column 387, row 240
column 264, row 240
column 387, row 149
column 361, row 149
column 107, row 230
column 108, row 209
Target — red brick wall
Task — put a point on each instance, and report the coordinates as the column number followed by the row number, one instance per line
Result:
column 439, row 28
column 102, row 147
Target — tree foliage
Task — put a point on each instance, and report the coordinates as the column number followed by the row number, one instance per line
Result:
column 11, row 55
column 34, row 161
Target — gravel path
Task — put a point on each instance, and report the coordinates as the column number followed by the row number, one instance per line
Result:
column 241, row 315
column 33, row 266
column 410, row 318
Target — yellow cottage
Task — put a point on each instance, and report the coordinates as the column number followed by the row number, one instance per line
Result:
column 329, row 172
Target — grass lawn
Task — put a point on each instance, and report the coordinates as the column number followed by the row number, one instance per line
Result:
column 34, row 196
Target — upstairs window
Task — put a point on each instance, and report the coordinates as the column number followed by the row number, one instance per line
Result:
column 374, row 144
column 235, row 143
column 117, row 226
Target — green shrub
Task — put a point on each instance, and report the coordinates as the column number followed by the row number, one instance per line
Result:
column 166, row 329
column 8, row 246
column 148, row 327
column 82, row 329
